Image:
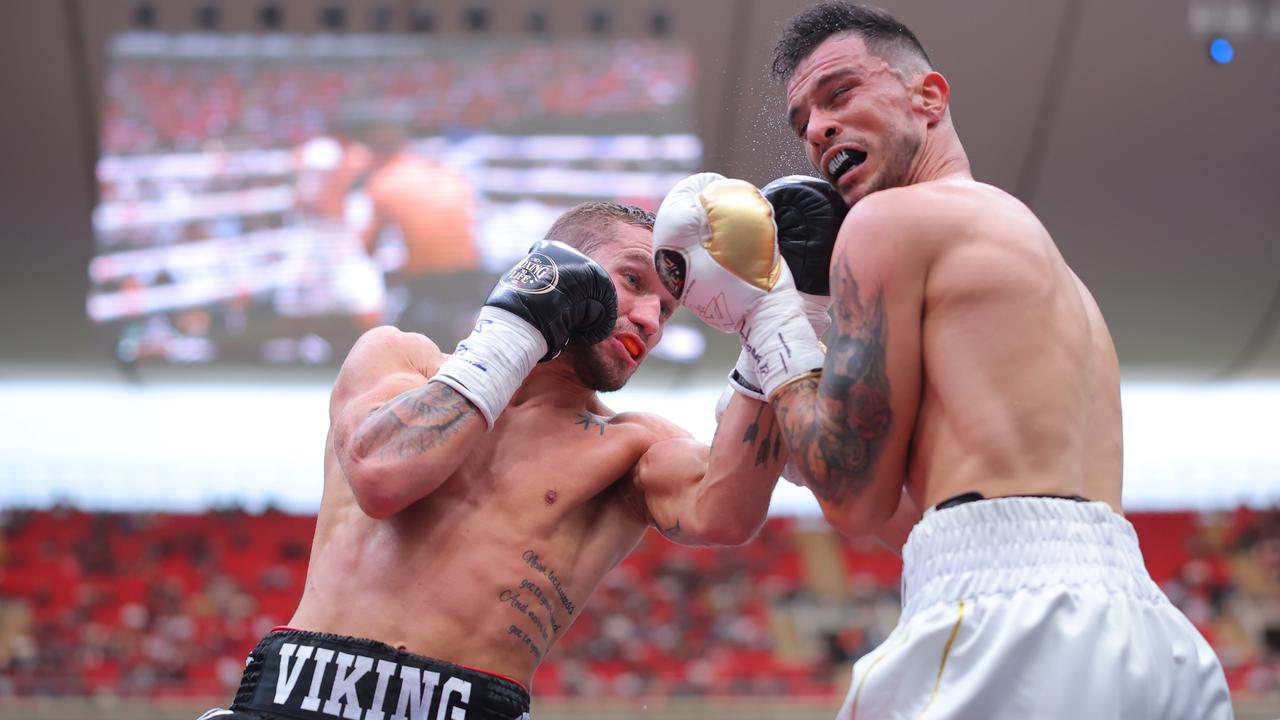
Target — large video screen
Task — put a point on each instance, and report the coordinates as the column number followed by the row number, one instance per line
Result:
column 267, row 198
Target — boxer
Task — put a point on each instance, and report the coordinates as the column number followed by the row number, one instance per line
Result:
column 473, row 500
column 970, row 372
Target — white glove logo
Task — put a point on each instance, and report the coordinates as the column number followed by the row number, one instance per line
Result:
column 536, row 274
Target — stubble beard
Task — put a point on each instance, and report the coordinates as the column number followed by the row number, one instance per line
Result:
column 896, row 172
column 595, row 369
column 897, row 153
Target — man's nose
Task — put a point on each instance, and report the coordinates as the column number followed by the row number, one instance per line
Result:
column 646, row 313
column 822, row 128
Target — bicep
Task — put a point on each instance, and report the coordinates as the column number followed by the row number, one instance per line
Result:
column 664, row 476
column 397, row 436
column 878, row 298
column 870, row 384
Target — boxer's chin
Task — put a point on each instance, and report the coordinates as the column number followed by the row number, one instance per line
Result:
column 596, row 369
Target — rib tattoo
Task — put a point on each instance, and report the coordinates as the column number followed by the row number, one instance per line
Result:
column 836, row 426
column 417, row 421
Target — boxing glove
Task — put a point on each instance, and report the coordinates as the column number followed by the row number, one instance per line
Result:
column 555, row 295
column 715, row 250
column 566, row 295
column 808, row 212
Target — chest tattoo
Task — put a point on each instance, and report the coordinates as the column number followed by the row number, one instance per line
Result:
column 588, row 421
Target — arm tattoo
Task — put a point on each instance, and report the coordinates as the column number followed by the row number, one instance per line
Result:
column 768, row 448
column 416, row 421
column 839, row 424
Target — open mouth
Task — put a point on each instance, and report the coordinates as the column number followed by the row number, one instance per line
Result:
column 632, row 346
column 844, row 161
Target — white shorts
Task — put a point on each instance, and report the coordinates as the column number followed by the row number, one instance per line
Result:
column 1017, row 608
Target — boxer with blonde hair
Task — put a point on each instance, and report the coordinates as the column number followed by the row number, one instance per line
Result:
column 474, row 500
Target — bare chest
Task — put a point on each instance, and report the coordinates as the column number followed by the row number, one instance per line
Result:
column 549, row 462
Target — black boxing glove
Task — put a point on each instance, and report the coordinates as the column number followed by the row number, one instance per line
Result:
column 808, row 212
column 555, row 295
column 566, row 295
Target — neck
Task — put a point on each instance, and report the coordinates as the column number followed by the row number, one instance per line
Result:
column 942, row 157
column 555, row 384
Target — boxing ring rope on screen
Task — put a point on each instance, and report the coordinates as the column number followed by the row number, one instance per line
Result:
column 265, row 199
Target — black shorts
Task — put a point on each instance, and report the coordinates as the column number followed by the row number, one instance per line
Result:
column 365, row 680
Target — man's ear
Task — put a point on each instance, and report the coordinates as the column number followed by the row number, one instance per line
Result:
column 932, row 97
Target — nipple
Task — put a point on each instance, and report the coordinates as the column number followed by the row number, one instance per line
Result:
column 550, row 497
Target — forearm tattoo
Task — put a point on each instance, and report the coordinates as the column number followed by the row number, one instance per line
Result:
column 770, row 446
column 836, row 426
column 416, row 421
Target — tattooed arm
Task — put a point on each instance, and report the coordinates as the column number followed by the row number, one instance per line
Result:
column 396, row 436
column 849, row 430
column 695, row 495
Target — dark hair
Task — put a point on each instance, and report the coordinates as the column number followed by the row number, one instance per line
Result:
column 883, row 35
column 586, row 226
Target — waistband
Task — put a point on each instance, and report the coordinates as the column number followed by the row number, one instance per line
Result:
column 1002, row 545
column 319, row 676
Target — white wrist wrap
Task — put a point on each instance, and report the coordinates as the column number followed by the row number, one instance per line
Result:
column 778, row 337
column 743, row 379
column 816, row 309
column 488, row 367
column 722, row 404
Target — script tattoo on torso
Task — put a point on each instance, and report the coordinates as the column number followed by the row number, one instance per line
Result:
column 531, row 599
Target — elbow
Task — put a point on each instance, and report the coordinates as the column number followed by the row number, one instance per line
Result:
column 859, row 516
column 372, row 484
column 373, row 493
column 730, row 529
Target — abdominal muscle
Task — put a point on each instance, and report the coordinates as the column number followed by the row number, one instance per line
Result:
column 464, row 575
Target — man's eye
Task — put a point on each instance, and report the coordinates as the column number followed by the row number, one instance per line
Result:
column 633, row 279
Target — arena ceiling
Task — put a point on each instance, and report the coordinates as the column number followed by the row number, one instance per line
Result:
column 1157, row 171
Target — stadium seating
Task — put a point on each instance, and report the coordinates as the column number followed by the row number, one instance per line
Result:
column 164, row 605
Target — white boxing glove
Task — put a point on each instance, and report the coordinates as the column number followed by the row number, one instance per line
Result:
column 715, row 250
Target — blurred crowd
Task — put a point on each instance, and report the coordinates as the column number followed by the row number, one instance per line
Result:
column 177, row 105
column 163, row 605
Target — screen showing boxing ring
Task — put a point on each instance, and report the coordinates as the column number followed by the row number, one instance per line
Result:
column 267, row 198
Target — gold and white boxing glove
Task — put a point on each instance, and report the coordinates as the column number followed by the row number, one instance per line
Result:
column 715, row 250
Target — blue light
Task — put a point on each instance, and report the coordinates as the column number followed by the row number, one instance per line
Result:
column 1222, row 51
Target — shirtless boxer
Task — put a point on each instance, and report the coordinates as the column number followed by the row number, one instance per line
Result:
column 970, row 372
column 472, row 502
